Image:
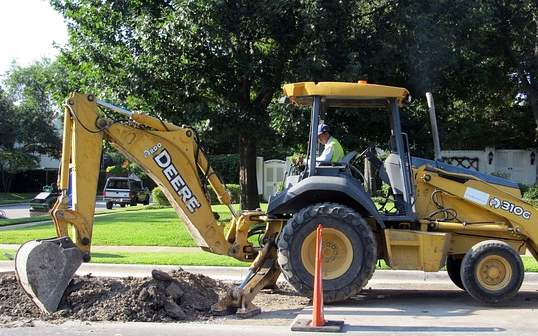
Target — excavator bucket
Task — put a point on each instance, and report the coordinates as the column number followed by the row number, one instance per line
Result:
column 45, row 269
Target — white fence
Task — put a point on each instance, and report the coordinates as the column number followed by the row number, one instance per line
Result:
column 516, row 165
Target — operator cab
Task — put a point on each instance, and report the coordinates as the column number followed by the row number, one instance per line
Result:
column 321, row 183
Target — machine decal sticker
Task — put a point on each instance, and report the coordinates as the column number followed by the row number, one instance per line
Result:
column 152, row 150
column 164, row 161
column 510, row 207
column 476, row 196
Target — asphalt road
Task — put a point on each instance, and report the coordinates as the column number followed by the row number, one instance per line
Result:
column 21, row 210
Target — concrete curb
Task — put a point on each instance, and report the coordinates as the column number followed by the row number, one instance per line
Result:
column 141, row 271
column 239, row 273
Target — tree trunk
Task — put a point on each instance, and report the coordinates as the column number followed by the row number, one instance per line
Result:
column 4, row 181
column 7, row 178
column 247, row 172
column 369, row 176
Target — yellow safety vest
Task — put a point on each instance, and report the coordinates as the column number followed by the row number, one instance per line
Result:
column 338, row 151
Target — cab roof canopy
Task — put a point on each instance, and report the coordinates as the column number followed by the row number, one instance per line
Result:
column 345, row 94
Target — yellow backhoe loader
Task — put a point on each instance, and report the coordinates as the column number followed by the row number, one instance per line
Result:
column 474, row 223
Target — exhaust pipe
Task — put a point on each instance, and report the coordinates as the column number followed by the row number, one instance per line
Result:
column 435, row 131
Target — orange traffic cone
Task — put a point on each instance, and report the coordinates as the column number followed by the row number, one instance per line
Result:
column 318, row 322
column 318, row 318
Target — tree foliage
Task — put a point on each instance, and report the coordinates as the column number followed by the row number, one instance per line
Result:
column 515, row 31
column 27, row 118
column 450, row 48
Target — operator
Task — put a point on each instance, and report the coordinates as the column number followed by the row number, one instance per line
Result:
column 332, row 152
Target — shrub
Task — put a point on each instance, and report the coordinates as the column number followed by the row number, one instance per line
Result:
column 234, row 189
column 530, row 194
column 158, row 197
column 226, row 166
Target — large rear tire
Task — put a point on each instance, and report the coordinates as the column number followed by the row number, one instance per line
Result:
column 492, row 271
column 349, row 251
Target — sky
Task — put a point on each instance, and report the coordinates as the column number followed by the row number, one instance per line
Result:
column 28, row 29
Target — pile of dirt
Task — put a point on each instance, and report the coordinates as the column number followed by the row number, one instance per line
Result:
column 174, row 296
column 165, row 297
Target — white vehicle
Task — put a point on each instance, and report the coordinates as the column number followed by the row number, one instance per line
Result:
column 125, row 190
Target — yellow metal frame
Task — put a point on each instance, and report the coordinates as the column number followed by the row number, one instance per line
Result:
column 171, row 157
column 416, row 250
column 341, row 90
column 484, row 210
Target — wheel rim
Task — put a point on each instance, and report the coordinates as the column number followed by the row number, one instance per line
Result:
column 494, row 273
column 337, row 253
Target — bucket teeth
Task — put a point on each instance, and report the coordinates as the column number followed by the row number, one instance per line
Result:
column 45, row 268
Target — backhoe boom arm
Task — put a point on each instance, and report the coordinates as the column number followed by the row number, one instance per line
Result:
column 169, row 154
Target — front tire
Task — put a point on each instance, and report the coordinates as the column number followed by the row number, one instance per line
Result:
column 349, row 251
column 492, row 271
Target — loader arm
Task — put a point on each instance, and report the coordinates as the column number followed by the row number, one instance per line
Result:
column 483, row 207
column 169, row 154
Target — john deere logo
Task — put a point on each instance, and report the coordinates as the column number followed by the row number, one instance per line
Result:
column 171, row 173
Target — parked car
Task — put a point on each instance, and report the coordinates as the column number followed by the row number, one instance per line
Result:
column 44, row 201
column 125, row 190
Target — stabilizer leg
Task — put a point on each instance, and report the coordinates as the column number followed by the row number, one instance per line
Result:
column 264, row 274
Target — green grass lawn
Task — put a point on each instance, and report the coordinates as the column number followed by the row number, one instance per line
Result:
column 199, row 259
column 147, row 227
column 155, row 258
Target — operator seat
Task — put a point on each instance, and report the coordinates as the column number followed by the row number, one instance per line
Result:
column 390, row 172
column 349, row 157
